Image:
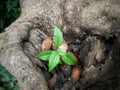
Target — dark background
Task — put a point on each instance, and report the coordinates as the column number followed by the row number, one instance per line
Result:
column 9, row 11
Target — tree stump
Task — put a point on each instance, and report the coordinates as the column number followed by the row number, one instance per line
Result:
column 91, row 26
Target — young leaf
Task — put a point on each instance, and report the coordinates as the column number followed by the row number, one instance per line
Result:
column 54, row 60
column 57, row 39
column 63, row 46
column 69, row 78
column 44, row 55
column 61, row 52
column 68, row 59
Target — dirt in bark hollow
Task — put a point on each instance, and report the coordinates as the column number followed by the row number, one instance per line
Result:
column 64, row 73
column 65, row 77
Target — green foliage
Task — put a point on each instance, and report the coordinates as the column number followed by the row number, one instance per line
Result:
column 54, row 60
column 68, row 59
column 9, row 11
column 7, row 81
column 54, row 56
column 69, row 79
column 57, row 39
column 44, row 55
column 61, row 52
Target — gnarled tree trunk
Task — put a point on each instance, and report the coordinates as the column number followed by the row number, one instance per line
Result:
column 94, row 23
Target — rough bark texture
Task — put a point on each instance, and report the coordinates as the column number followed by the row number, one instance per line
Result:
column 94, row 23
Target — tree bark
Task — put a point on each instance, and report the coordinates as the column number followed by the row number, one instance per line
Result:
column 95, row 24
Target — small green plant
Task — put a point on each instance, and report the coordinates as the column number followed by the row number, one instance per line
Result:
column 57, row 56
column 69, row 78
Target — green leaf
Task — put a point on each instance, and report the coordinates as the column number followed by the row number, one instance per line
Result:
column 61, row 52
column 57, row 39
column 60, row 62
column 44, row 55
column 54, row 60
column 16, row 87
column 1, row 88
column 69, row 79
column 68, row 59
column 9, row 86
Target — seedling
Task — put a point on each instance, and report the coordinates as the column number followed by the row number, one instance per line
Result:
column 57, row 56
column 69, row 78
